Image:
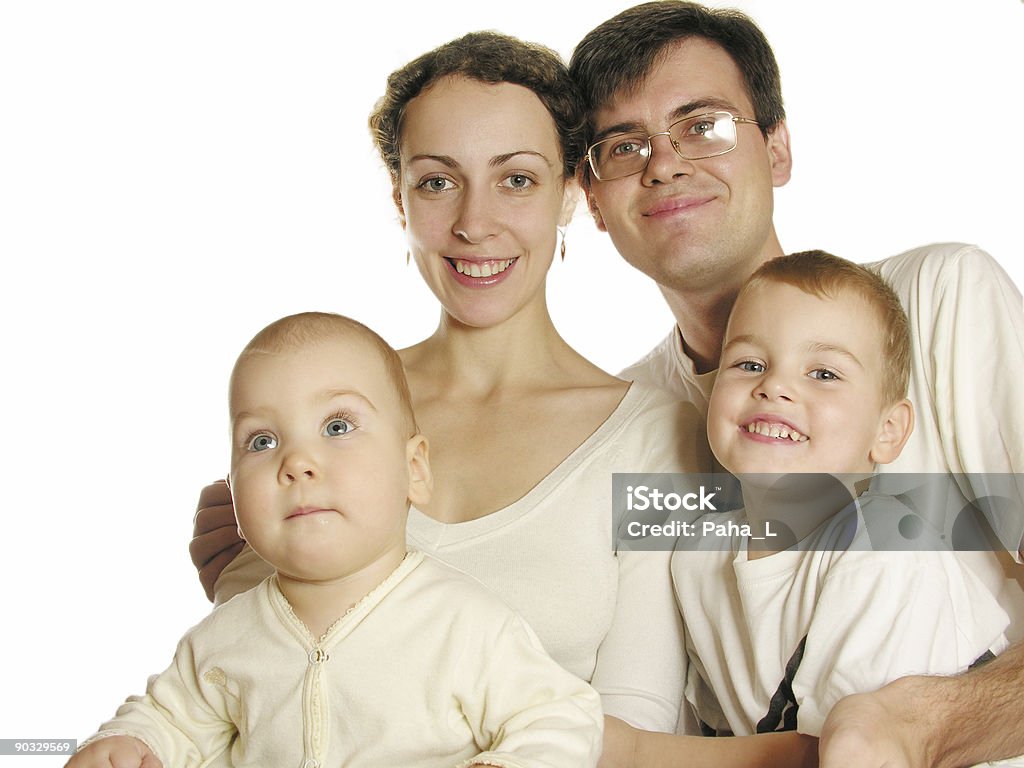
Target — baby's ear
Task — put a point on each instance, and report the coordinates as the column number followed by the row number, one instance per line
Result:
column 896, row 425
column 238, row 527
column 421, row 480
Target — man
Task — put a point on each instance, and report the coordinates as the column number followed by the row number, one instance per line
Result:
column 687, row 141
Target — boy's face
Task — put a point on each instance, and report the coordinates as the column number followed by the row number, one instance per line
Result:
column 322, row 467
column 799, row 388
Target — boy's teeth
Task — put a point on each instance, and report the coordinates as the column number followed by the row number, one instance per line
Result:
column 484, row 269
column 776, row 431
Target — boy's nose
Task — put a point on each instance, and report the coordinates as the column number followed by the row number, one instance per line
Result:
column 773, row 387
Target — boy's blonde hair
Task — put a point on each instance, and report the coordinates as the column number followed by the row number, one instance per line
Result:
column 826, row 276
column 305, row 328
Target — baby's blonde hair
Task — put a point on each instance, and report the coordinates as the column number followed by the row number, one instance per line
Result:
column 826, row 276
column 305, row 328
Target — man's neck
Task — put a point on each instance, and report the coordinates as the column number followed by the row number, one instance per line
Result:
column 703, row 313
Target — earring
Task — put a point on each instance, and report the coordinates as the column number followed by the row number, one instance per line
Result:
column 561, row 231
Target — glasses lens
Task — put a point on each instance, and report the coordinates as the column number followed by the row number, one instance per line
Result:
column 704, row 135
column 619, row 156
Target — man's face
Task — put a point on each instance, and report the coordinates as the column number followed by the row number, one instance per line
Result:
column 692, row 223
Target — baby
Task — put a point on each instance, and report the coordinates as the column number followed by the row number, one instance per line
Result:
column 356, row 652
column 791, row 609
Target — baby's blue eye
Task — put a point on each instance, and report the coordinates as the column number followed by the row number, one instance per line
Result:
column 262, row 443
column 337, row 427
column 751, row 366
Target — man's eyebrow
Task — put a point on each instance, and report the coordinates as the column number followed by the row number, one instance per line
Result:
column 709, row 104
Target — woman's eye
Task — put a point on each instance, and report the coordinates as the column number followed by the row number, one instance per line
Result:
column 751, row 366
column 824, row 374
column 261, row 443
column 518, row 181
column 437, row 184
column 337, row 428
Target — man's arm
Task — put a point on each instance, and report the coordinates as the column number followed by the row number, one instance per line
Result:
column 926, row 722
column 628, row 747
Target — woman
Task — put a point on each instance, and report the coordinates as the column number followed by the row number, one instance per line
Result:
column 482, row 139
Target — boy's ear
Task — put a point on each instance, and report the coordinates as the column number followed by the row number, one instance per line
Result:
column 421, row 480
column 895, row 428
column 777, row 142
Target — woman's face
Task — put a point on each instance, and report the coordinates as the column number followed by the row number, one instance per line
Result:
column 482, row 193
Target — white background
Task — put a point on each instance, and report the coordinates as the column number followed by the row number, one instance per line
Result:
column 173, row 176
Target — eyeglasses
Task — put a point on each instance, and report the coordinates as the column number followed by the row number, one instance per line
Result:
column 693, row 138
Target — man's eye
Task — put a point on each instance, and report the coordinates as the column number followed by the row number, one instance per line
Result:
column 702, row 128
column 625, row 148
column 337, row 428
column 261, row 443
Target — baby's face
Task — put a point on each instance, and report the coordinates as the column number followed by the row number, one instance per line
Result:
column 320, row 471
column 799, row 388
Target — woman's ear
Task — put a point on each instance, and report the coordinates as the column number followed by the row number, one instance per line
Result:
column 570, row 199
column 396, row 195
column 421, row 480
column 894, row 430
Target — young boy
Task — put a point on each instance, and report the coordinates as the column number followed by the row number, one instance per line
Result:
column 356, row 652
column 810, row 396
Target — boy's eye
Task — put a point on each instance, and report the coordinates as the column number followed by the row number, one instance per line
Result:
column 262, row 443
column 824, row 374
column 337, row 428
column 751, row 366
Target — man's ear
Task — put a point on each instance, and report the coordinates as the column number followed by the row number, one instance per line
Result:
column 586, row 184
column 895, row 428
column 779, row 152
column 421, row 480
column 595, row 211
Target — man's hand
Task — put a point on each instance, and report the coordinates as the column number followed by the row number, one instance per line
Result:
column 115, row 752
column 215, row 541
column 871, row 730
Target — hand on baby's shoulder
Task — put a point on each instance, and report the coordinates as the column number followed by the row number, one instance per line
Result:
column 115, row 752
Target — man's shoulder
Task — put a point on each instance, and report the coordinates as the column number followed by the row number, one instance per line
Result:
column 659, row 367
column 934, row 263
